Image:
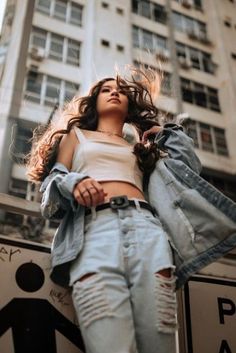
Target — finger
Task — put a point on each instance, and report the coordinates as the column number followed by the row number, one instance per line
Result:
column 87, row 198
column 100, row 192
column 78, row 197
column 145, row 135
column 94, row 196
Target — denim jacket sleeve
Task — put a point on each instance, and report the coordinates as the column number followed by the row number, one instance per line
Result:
column 178, row 145
column 57, row 189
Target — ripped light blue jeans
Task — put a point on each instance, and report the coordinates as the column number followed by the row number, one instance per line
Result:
column 122, row 303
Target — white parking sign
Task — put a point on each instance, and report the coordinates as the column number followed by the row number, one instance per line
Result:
column 35, row 314
column 210, row 313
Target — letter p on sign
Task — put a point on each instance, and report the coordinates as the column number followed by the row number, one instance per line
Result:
column 225, row 307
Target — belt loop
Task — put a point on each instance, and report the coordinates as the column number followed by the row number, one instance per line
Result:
column 137, row 205
column 94, row 213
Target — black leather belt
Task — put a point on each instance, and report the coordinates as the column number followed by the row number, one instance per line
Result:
column 119, row 202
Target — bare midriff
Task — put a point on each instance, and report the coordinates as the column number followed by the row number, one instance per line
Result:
column 118, row 188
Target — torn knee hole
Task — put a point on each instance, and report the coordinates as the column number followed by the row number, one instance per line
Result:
column 87, row 275
column 167, row 272
column 91, row 299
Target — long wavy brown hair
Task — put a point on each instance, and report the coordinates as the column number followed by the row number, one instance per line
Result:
column 141, row 88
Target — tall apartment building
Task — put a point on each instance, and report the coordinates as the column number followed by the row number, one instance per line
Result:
column 52, row 49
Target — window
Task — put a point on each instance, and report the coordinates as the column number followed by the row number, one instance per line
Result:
column 160, row 42
column 145, row 8
column 61, row 48
column 200, row 95
column 196, row 93
column 48, row 90
column 195, row 57
column 135, row 6
column 187, row 90
column 166, row 84
column 147, row 43
column 181, row 50
column 220, row 140
column 44, row 6
column 73, row 52
column 52, row 91
column 214, row 103
column 39, row 37
column 147, row 40
column 136, row 39
column 60, row 9
column 199, row 60
column 76, row 14
column 33, row 86
column 192, row 132
column 64, row 10
column 206, row 137
column 194, row 28
column 70, row 90
column 18, row 187
column 159, row 14
column 56, row 47
column 150, row 10
column 22, row 144
column 196, row 3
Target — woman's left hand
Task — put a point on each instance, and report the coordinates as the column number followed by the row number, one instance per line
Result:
column 154, row 130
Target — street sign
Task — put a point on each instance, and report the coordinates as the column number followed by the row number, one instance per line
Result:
column 35, row 314
column 210, row 313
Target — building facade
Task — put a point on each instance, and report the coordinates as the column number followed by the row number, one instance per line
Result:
column 51, row 50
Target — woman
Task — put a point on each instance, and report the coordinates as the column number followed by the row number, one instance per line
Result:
column 111, row 246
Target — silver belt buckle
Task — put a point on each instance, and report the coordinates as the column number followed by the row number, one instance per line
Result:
column 119, row 202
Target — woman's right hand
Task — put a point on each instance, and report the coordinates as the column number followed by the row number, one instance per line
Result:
column 88, row 192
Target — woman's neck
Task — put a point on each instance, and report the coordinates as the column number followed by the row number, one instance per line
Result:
column 110, row 125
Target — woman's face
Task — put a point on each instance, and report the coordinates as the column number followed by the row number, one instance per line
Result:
column 112, row 100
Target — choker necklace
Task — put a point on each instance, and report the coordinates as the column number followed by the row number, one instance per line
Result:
column 109, row 133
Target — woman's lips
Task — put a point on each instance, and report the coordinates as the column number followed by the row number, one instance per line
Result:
column 114, row 100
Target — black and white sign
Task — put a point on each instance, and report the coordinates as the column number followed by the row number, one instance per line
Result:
column 210, row 310
column 35, row 315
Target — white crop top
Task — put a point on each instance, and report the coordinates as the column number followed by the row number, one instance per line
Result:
column 106, row 160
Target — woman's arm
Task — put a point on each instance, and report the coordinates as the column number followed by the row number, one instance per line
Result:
column 66, row 149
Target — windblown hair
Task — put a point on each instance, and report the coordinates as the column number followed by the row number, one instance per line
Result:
column 142, row 89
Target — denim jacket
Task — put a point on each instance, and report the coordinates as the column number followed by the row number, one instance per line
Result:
column 199, row 221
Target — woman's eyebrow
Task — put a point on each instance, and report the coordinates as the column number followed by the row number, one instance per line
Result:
column 107, row 86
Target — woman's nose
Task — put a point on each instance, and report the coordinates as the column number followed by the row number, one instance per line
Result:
column 114, row 92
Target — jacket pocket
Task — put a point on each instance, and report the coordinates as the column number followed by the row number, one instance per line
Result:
column 206, row 225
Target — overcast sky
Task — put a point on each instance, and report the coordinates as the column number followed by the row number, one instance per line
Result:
column 2, row 8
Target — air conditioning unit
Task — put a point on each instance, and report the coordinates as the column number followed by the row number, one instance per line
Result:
column 163, row 54
column 204, row 38
column 185, row 63
column 192, row 34
column 37, row 53
column 187, row 3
